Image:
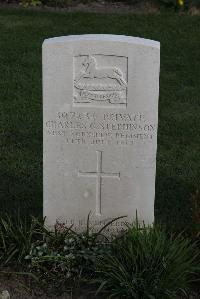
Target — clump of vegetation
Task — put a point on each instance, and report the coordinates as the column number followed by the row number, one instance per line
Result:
column 146, row 263
column 16, row 238
column 26, row 3
column 140, row 262
column 64, row 257
column 177, row 4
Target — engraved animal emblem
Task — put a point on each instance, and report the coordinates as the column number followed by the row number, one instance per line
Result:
column 92, row 71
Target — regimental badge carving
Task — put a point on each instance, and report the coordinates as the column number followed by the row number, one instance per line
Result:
column 100, row 80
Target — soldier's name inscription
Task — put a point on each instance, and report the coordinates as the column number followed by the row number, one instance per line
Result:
column 101, row 128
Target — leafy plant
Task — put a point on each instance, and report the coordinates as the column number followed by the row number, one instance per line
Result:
column 65, row 257
column 26, row 3
column 16, row 238
column 146, row 264
column 56, row 3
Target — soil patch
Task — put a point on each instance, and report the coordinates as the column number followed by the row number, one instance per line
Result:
column 21, row 287
column 19, row 290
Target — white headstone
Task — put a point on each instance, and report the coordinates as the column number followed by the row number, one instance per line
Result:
column 100, row 128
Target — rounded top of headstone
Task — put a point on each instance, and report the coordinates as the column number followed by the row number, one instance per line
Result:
column 104, row 37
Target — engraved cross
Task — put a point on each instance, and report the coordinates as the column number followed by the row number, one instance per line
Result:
column 99, row 174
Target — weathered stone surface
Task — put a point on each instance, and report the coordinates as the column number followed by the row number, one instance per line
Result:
column 100, row 128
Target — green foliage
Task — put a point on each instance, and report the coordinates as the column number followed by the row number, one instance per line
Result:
column 16, row 237
column 63, row 266
column 195, row 2
column 168, row 2
column 64, row 3
column 56, row 3
column 131, row 1
column 64, row 256
column 176, row 4
column 26, row 3
column 145, row 263
column 141, row 263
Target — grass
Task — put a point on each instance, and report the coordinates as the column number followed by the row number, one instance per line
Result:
column 145, row 263
column 178, row 161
